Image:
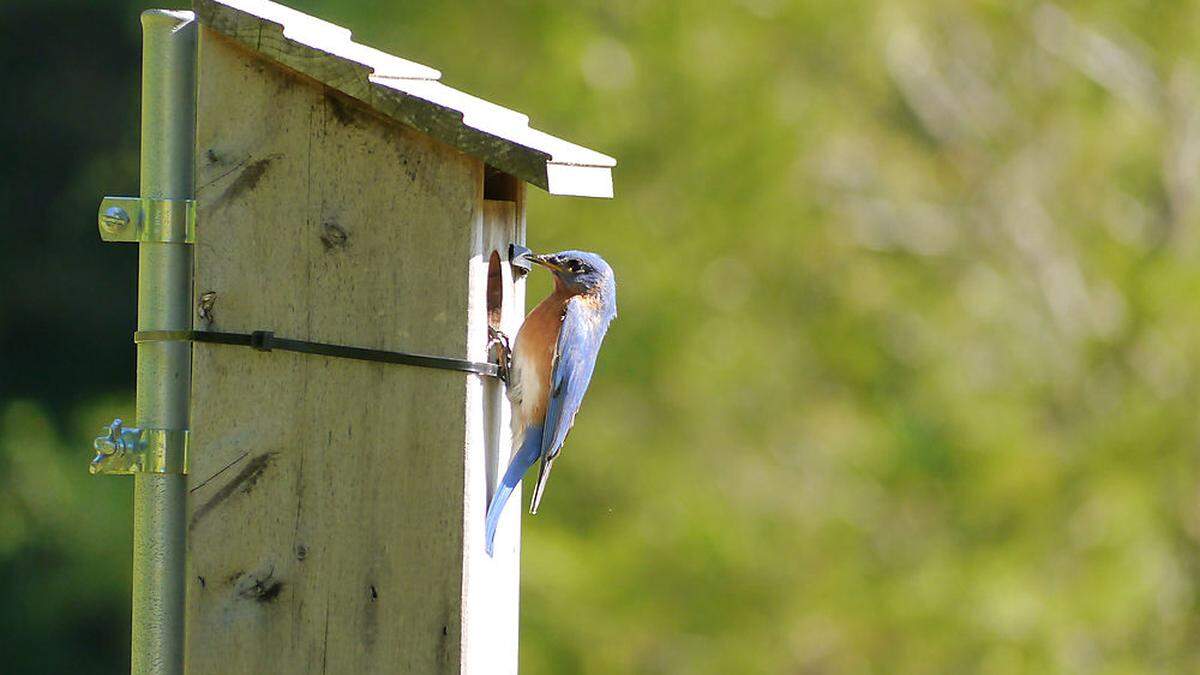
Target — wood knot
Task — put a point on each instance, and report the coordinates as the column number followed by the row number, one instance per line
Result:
column 260, row 588
column 333, row 236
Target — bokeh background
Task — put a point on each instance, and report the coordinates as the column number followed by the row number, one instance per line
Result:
column 905, row 378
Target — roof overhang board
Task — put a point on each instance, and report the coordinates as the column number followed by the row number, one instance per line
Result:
column 410, row 93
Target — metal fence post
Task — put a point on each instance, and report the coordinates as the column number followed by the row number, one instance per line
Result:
column 163, row 368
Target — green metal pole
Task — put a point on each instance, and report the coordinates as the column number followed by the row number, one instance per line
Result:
column 163, row 368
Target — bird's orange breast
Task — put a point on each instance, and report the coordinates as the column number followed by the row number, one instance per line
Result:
column 533, row 359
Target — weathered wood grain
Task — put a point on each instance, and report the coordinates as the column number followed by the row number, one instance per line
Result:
column 336, row 507
column 491, row 583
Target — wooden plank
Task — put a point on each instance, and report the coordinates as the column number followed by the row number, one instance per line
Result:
column 410, row 93
column 491, row 587
column 329, row 498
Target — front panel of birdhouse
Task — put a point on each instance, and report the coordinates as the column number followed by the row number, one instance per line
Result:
column 336, row 506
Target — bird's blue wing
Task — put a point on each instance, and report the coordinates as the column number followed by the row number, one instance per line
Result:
column 527, row 454
column 578, row 345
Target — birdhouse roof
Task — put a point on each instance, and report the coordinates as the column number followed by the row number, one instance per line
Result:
column 412, row 94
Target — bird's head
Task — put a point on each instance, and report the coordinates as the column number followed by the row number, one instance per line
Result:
column 580, row 273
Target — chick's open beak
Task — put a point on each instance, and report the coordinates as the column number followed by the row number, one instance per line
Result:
column 519, row 258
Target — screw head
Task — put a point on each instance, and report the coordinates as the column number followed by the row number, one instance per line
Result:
column 114, row 219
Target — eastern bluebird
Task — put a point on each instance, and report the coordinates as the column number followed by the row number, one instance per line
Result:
column 552, row 362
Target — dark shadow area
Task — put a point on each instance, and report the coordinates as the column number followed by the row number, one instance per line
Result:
column 69, row 135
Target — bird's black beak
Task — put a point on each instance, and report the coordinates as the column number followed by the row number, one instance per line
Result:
column 548, row 261
column 521, row 260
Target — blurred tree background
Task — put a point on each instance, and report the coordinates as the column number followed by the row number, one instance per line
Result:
column 906, row 373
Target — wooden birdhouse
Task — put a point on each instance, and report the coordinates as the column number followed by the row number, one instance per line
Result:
column 333, row 211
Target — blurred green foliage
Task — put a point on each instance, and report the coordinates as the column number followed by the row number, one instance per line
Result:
column 906, row 370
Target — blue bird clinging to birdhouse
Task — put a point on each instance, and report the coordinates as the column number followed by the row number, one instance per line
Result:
column 552, row 361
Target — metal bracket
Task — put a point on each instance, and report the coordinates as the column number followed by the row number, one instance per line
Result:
column 128, row 450
column 164, row 221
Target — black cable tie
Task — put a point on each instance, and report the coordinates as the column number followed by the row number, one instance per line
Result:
column 261, row 340
column 265, row 341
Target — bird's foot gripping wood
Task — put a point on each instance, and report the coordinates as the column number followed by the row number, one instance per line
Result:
column 497, row 338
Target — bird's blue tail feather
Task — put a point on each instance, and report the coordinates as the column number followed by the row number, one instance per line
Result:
column 531, row 448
